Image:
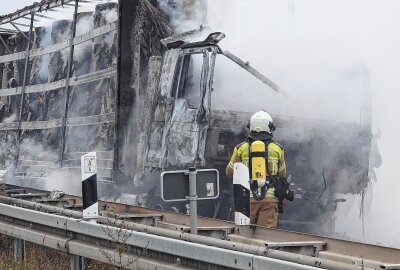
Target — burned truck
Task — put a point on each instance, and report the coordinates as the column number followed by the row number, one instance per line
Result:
column 118, row 81
column 180, row 129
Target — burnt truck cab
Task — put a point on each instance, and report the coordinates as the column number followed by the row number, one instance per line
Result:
column 181, row 117
column 180, row 129
column 177, row 114
column 176, row 111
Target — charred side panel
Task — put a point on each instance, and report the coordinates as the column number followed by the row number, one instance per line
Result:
column 83, row 52
column 87, row 85
column 2, row 52
column 79, row 96
column 19, row 42
column 44, row 144
column 2, row 99
column 142, row 27
column 40, row 65
column 94, row 99
column 12, row 73
column 89, row 103
column 35, row 108
column 12, row 76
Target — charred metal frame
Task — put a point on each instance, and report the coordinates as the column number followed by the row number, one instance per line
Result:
column 67, row 84
column 37, row 7
column 117, row 96
column 26, row 69
column 14, row 24
column 29, row 53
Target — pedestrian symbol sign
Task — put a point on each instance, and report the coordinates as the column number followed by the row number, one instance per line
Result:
column 89, row 164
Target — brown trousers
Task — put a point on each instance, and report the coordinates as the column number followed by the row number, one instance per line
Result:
column 264, row 213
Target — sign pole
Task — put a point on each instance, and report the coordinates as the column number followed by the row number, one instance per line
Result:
column 193, row 200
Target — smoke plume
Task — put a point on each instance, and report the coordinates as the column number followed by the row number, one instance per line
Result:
column 327, row 56
column 313, row 50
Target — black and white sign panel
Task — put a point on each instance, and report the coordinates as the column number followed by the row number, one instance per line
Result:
column 175, row 185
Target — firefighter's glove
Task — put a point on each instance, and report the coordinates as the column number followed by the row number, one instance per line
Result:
column 282, row 190
column 289, row 195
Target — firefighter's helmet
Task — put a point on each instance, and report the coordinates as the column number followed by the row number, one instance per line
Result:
column 262, row 122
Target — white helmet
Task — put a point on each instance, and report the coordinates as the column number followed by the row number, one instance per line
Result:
column 262, row 122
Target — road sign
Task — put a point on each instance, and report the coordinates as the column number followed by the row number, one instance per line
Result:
column 175, row 185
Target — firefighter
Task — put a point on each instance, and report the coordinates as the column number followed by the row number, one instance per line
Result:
column 264, row 201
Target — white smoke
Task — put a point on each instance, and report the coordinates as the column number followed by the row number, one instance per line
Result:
column 81, row 52
column 184, row 15
column 110, row 15
column 313, row 50
column 313, row 55
column 299, row 63
column 32, row 149
column 61, row 36
column 44, row 60
column 64, row 180
column 85, row 24
column 12, row 118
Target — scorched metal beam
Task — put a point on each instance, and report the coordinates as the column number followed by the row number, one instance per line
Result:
column 37, row 7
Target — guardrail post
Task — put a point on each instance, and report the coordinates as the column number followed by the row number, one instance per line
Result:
column 89, row 187
column 77, row 262
column 19, row 249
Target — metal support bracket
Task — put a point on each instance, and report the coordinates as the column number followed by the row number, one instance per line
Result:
column 77, row 262
column 19, row 249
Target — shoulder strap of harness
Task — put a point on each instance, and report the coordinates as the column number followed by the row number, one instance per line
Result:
column 266, row 158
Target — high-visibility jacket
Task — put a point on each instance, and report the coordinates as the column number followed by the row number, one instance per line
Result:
column 276, row 161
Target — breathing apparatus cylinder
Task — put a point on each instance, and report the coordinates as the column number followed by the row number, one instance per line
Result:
column 259, row 165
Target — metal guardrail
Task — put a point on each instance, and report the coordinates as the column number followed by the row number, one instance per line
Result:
column 296, row 251
column 89, row 240
column 324, row 251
